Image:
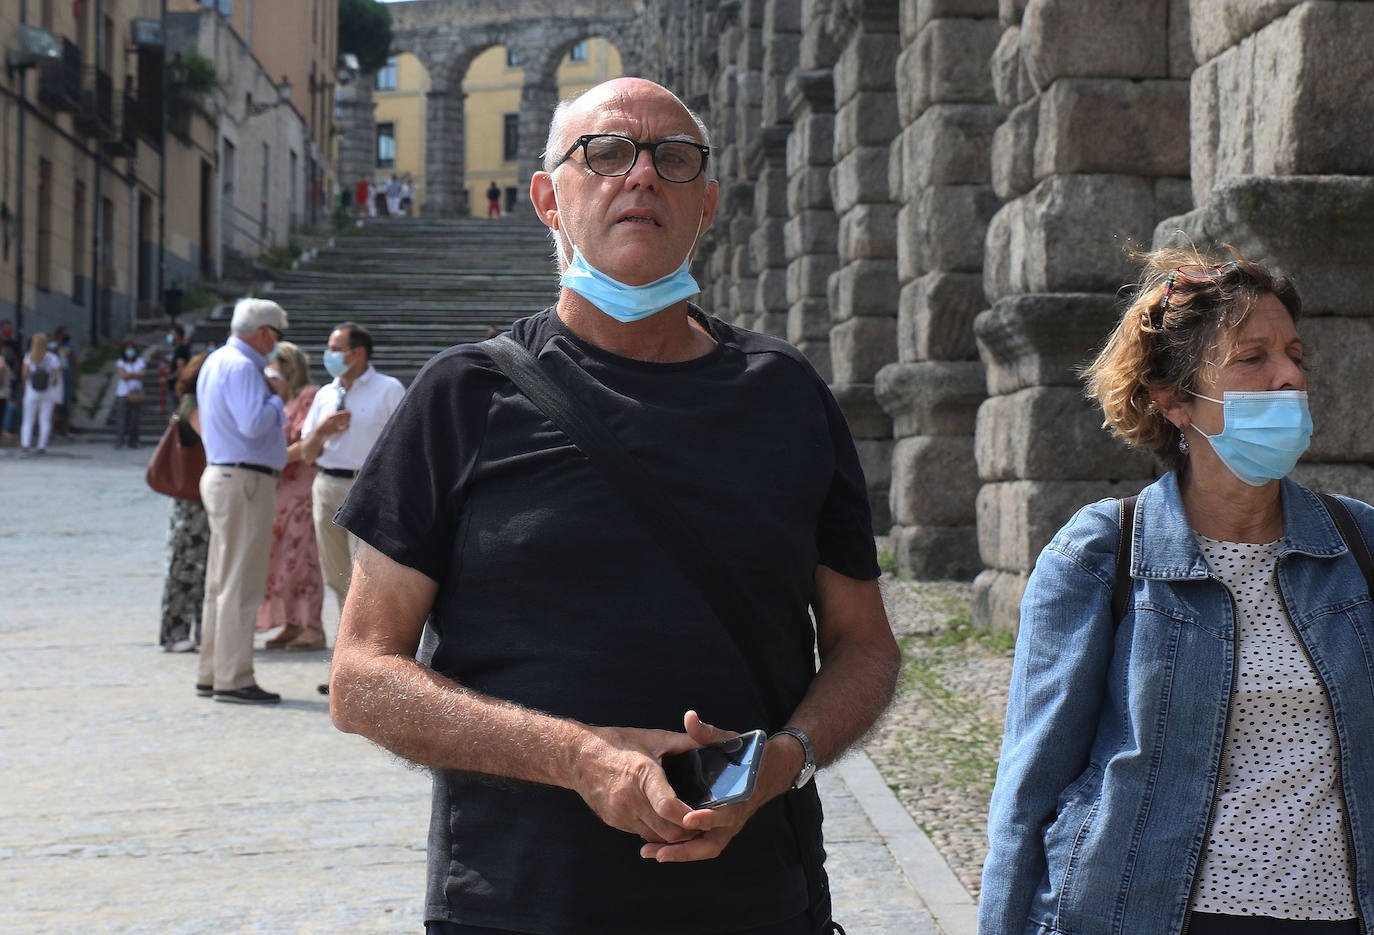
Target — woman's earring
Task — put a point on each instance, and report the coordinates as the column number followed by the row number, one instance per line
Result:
column 1182, row 442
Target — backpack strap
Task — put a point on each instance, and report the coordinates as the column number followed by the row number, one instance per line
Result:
column 1354, row 538
column 1121, row 590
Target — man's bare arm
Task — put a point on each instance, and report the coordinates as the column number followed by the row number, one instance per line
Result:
column 377, row 689
column 852, row 687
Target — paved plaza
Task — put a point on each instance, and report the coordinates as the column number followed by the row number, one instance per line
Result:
column 132, row 806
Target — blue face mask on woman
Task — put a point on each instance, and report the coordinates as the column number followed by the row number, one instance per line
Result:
column 1263, row 434
column 621, row 301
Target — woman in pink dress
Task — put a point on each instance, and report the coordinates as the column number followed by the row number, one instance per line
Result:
column 295, row 589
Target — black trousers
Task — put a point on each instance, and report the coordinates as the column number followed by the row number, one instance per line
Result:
column 799, row 925
column 1207, row 923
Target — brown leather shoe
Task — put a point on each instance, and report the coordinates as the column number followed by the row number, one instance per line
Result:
column 309, row 639
column 286, row 635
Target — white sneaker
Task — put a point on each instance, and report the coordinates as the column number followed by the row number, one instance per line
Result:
column 182, row 646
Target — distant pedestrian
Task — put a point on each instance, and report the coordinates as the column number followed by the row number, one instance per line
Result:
column 10, row 351
column 180, row 344
column 42, row 379
column 242, row 413
column 65, row 350
column 407, row 197
column 393, row 197
column 365, row 202
column 188, row 538
column 345, row 421
column 295, row 590
column 5, row 381
column 493, row 201
column 128, row 395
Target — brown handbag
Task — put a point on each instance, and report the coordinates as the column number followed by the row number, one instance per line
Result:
column 177, row 462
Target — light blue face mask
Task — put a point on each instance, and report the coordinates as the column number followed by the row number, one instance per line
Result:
column 272, row 354
column 1263, row 434
column 334, row 363
column 624, row 302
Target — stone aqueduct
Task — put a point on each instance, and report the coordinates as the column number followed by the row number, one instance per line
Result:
column 933, row 199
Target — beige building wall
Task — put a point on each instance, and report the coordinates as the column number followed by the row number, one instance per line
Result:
column 89, row 253
column 493, row 88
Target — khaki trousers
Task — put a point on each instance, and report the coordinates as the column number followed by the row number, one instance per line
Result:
column 337, row 545
column 241, row 506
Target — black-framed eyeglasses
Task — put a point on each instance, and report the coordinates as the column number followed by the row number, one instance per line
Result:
column 612, row 155
column 275, row 330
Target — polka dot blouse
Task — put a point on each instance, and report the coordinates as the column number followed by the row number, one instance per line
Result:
column 1277, row 845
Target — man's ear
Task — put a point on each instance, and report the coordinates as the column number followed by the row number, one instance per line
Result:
column 712, row 201
column 541, row 196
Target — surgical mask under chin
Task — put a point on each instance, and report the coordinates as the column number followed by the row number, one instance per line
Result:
column 621, row 301
column 334, row 363
column 1263, row 434
column 272, row 354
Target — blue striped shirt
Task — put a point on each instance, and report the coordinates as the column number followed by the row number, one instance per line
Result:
column 241, row 419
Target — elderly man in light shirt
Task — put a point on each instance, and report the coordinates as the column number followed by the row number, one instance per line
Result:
column 241, row 416
column 339, row 448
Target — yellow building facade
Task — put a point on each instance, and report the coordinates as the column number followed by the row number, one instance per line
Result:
column 491, row 107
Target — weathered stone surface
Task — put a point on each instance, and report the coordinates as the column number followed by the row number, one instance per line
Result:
column 1350, row 480
column 859, row 404
column 951, row 225
column 1217, row 25
column 997, row 599
column 1317, row 229
column 1181, row 60
column 1341, row 413
column 1016, row 519
column 947, row 64
column 809, row 275
column 936, row 552
column 1011, row 83
column 810, row 232
column 770, row 298
column 818, row 352
column 866, row 64
column 932, row 398
column 1095, row 38
column 933, row 481
column 808, row 320
column 950, row 145
column 866, row 120
column 782, row 17
column 875, row 457
column 859, row 347
column 1273, row 105
column 770, row 189
column 1041, row 340
column 740, row 300
column 767, row 243
column 1068, row 235
column 808, row 189
column 916, row 15
column 1013, row 151
column 868, row 231
column 1113, row 125
column 1050, row 433
column 867, row 289
column 1010, row 12
column 858, row 177
column 811, row 143
column 935, row 317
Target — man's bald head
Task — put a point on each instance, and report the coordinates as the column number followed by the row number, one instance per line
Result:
column 619, row 92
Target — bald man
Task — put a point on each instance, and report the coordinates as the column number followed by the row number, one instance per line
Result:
column 569, row 652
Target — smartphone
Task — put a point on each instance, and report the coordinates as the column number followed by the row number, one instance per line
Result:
column 716, row 775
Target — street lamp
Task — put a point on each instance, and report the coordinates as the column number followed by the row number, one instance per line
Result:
column 283, row 97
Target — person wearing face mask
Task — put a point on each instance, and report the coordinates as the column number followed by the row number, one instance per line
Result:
column 179, row 348
column 242, row 420
column 129, row 369
column 1186, row 743
column 345, row 420
column 567, row 648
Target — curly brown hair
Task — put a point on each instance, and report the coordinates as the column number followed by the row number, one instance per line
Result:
column 1159, row 347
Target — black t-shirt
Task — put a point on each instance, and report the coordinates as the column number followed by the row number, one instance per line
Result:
column 181, row 353
column 552, row 595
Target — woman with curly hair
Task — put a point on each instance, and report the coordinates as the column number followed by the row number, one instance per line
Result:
column 1196, row 758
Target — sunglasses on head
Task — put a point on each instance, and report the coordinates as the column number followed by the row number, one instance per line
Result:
column 1191, row 272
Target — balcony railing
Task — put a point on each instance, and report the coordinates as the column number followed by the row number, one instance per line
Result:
column 96, row 116
column 125, row 142
column 59, row 81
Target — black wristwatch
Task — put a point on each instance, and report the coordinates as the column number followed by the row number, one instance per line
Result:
column 809, row 767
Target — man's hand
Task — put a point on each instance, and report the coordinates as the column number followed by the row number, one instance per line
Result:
column 714, row 828
column 333, row 424
column 619, row 775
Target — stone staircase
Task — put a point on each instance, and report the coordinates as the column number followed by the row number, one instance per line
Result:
column 419, row 285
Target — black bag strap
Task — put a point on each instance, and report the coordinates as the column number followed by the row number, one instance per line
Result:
column 711, row 576
column 1121, row 589
column 1354, row 538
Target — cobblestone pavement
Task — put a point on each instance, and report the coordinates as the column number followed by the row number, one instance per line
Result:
column 132, row 806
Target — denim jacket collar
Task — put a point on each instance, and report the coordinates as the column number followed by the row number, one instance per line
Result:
column 1164, row 547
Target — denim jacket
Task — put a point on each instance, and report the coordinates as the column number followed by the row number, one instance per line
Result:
column 1114, row 732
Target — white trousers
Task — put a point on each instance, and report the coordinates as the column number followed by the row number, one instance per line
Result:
column 39, row 407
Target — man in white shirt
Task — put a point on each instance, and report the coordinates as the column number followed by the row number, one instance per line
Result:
column 242, row 415
column 369, row 398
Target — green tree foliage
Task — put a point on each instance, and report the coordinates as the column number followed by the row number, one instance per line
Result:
column 365, row 30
